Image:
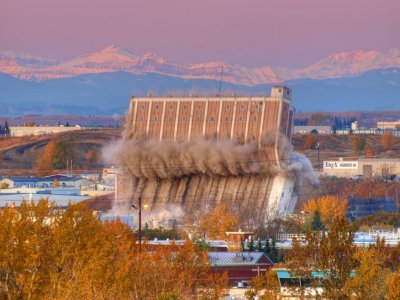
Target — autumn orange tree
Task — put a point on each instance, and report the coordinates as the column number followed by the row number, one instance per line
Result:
column 330, row 253
column 215, row 223
column 369, row 152
column 49, row 254
column 264, row 286
column 388, row 140
column 311, row 141
column 393, row 286
column 54, row 156
column 92, row 157
column 370, row 275
column 330, row 207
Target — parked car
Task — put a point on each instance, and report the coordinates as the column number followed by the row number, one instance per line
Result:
column 358, row 177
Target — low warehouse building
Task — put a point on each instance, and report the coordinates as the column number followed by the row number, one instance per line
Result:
column 362, row 167
column 240, row 266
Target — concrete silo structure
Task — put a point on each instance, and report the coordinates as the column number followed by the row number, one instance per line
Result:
column 192, row 150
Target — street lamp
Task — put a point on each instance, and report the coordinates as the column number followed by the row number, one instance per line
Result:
column 318, row 156
column 139, row 222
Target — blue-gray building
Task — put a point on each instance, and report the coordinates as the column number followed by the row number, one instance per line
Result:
column 358, row 208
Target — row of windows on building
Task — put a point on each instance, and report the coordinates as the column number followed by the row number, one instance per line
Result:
column 200, row 119
column 258, row 107
column 237, row 137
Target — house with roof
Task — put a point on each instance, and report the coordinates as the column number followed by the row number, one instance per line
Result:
column 240, row 266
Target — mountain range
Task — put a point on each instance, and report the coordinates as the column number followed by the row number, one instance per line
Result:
column 115, row 59
column 102, row 82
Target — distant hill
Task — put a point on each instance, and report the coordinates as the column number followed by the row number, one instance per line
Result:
column 109, row 93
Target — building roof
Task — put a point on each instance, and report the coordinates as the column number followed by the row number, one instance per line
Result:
column 59, row 200
column 236, row 258
column 46, row 178
column 22, row 179
column 285, row 274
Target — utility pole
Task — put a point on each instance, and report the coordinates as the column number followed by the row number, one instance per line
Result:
column 139, row 221
column 318, row 156
column 220, row 82
column 140, row 224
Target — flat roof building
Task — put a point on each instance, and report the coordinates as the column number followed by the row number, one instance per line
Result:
column 364, row 167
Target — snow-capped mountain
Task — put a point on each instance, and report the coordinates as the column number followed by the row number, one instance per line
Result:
column 346, row 64
column 115, row 59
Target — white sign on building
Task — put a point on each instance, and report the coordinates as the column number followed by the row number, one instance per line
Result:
column 342, row 165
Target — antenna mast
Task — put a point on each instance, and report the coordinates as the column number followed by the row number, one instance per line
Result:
column 220, row 81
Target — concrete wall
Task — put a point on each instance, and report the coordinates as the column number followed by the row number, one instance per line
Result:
column 40, row 130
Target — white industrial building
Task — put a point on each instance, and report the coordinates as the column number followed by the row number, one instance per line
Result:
column 17, row 131
column 386, row 125
column 362, row 167
column 308, row 129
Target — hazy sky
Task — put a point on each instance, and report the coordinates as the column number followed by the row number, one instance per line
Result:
column 252, row 32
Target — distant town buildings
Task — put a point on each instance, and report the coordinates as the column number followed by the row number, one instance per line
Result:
column 309, row 128
column 385, row 125
column 354, row 128
column 60, row 189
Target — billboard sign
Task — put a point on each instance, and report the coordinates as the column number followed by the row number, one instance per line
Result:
column 341, row 165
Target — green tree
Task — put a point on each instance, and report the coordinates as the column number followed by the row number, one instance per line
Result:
column 316, row 223
column 259, row 245
column 359, row 143
column 251, row 244
column 273, row 255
